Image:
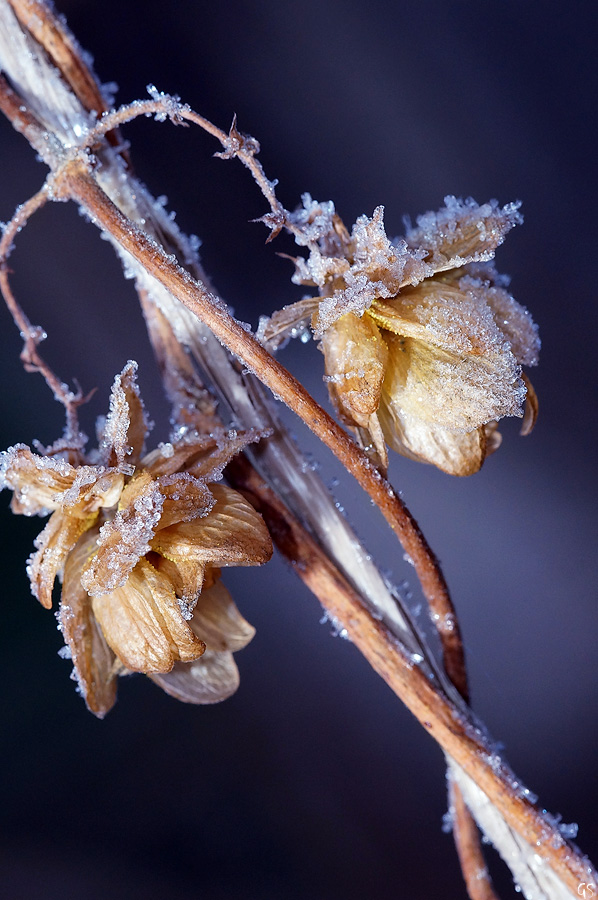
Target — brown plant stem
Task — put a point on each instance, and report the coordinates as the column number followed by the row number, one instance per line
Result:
column 76, row 182
column 458, row 738
column 469, row 851
column 455, row 735
column 31, row 358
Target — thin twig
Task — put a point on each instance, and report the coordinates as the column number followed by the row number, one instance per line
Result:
column 460, row 740
column 75, row 181
column 235, row 144
column 32, row 335
column 442, row 611
column 469, row 851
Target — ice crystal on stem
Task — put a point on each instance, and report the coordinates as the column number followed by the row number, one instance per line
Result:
column 140, row 541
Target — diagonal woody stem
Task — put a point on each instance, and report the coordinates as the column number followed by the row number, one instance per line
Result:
column 79, row 184
column 442, row 612
column 455, row 735
column 458, row 738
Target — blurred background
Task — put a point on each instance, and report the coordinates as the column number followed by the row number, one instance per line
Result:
column 314, row 781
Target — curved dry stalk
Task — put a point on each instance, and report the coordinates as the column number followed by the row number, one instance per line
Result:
column 458, row 738
column 234, row 143
column 469, row 851
column 76, row 182
column 442, row 611
column 32, row 335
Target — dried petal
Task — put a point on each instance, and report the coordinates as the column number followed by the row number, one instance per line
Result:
column 210, row 679
column 356, row 357
column 462, row 231
column 514, row 321
column 143, row 625
column 455, row 453
column 379, row 269
column 444, row 315
column 126, row 425
column 232, row 534
column 288, row 322
column 186, row 576
column 530, row 413
column 38, row 482
column 184, row 498
column 125, row 539
column 53, row 545
column 226, row 446
column 204, row 458
column 218, row 622
column 442, row 389
column 171, row 458
column 93, row 660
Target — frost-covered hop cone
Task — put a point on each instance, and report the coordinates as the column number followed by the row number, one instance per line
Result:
column 140, row 541
column 423, row 344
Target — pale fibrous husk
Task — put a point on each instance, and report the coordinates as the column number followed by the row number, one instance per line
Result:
column 139, row 542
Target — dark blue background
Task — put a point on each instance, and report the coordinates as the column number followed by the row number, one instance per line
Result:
column 313, row 781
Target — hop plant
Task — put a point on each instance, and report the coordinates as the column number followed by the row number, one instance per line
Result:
column 139, row 542
column 423, row 345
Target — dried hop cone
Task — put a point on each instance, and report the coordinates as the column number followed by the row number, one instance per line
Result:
column 423, row 344
column 139, row 542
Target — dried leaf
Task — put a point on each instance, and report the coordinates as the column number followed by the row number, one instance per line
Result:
column 93, row 660
column 54, row 544
column 231, row 534
column 218, row 622
column 210, row 679
column 143, row 624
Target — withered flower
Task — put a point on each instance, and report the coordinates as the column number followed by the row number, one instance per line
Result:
column 423, row 344
column 139, row 542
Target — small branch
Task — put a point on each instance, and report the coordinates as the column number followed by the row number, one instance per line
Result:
column 442, row 612
column 469, row 851
column 234, row 143
column 455, row 734
column 32, row 335
column 75, row 181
